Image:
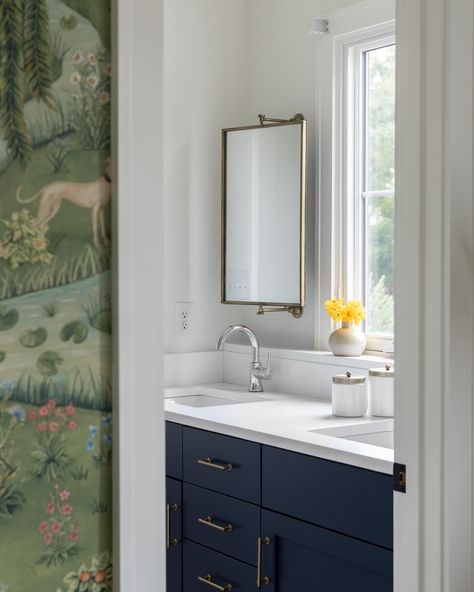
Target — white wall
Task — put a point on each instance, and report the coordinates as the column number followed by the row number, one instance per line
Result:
column 225, row 62
column 205, row 90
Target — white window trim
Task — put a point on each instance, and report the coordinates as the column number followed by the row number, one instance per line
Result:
column 358, row 24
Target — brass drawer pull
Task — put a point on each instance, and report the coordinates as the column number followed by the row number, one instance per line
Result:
column 174, row 541
column 265, row 580
column 208, row 581
column 207, row 521
column 208, row 462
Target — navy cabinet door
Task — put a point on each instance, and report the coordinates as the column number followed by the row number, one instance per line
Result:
column 306, row 558
column 174, row 450
column 350, row 500
column 174, row 543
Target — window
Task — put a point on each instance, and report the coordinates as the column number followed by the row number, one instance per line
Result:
column 368, row 182
column 356, row 167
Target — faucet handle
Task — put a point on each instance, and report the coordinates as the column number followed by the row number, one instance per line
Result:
column 260, row 372
column 267, row 372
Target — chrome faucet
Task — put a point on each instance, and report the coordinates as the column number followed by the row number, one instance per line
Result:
column 257, row 371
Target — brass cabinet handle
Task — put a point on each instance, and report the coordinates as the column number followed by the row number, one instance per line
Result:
column 170, row 542
column 265, row 580
column 207, row 521
column 208, row 462
column 208, row 581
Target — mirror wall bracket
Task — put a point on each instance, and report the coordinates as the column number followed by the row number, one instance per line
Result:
column 264, row 119
column 295, row 311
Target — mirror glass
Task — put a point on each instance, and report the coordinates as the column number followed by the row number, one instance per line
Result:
column 263, row 214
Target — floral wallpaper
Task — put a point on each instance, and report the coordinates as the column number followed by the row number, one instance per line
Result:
column 55, row 303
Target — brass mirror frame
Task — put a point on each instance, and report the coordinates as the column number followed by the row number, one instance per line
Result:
column 294, row 308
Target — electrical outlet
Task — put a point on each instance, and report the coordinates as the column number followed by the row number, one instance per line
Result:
column 184, row 318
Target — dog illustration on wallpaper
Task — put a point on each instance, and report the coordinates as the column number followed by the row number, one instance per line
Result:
column 95, row 196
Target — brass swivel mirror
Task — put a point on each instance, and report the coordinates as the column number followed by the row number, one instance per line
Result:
column 263, row 215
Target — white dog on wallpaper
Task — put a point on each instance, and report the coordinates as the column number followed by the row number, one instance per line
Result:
column 95, row 196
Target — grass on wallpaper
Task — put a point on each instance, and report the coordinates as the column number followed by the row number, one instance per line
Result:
column 50, row 459
column 86, row 389
column 98, row 307
column 79, row 472
column 44, row 124
column 98, row 507
column 50, row 308
column 33, row 278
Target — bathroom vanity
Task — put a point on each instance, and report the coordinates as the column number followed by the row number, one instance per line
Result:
column 268, row 491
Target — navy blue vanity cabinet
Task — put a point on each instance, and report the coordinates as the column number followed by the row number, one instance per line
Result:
column 348, row 499
column 293, row 522
column 297, row 556
column 174, row 536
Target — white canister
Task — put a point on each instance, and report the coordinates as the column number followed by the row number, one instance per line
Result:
column 349, row 395
column 381, row 391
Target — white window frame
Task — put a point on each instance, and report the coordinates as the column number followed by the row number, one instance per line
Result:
column 367, row 25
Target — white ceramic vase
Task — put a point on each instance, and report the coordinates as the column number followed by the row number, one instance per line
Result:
column 348, row 340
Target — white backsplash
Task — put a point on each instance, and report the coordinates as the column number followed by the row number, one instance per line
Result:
column 307, row 373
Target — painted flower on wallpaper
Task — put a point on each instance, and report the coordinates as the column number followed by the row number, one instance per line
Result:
column 91, row 102
column 18, row 413
column 99, row 441
column 23, row 241
column 96, row 577
column 58, row 529
column 52, row 418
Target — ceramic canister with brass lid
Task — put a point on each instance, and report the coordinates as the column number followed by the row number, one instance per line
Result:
column 349, row 395
column 381, row 391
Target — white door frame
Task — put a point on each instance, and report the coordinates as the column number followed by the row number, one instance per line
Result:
column 435, row 295
column 139, row 483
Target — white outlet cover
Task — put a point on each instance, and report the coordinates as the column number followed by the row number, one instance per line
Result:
column 184, row 318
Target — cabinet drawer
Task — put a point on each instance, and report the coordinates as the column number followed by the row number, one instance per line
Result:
column 174, row 450
column 222, row 523
column 214, row 568
column 221, row 463
column 343, row 498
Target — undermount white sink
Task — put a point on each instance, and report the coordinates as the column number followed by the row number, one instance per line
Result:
column 379, row 433
column 201, row 399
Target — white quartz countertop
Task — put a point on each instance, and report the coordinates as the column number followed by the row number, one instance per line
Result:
column 280, row 420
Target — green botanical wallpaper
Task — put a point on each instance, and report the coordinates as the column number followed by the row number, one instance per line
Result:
column 55, row 305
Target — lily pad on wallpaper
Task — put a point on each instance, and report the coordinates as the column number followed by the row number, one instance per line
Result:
column 8, row 318
column 77, row 330
column 48, row 363
column 33, row 337
column 102, row 321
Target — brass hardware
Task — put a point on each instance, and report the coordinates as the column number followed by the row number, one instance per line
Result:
column 208, row 581
column 295, row 311
column 208, row 462
column 294, row 308
column 174, row 541
column 265, row 580
column 400, row 477
column 207, row 521
column 263, row 118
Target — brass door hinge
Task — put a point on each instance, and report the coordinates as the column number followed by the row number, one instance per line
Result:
column 400, row 478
